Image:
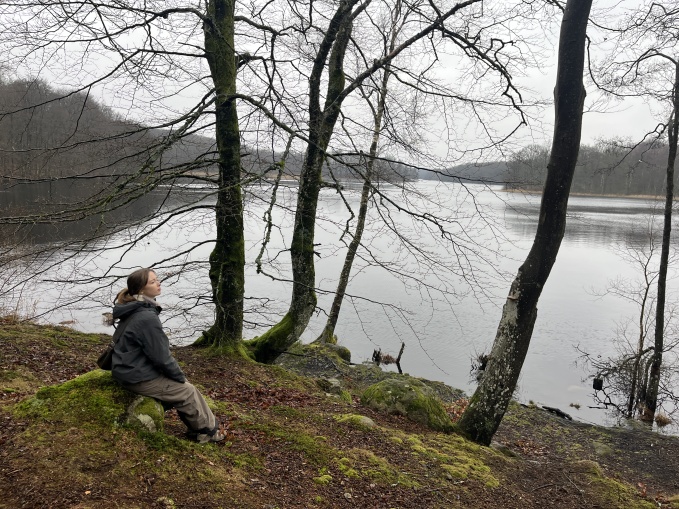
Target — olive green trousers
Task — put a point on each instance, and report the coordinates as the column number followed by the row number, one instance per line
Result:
column 189, row 402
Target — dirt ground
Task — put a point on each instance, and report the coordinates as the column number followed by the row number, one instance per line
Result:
column 286, row 447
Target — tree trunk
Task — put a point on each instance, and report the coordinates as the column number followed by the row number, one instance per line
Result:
column 651, row 397
column 633, row 398
column 328, row 333
column 269, row 345
column 489, row 403
column 227, row 261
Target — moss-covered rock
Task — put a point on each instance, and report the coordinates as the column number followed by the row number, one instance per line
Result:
column 322, row 360
column 411, row 398
column 326, row 361
column 147, row 413
column 330, row 385
column 357, row 421
column 93, row 399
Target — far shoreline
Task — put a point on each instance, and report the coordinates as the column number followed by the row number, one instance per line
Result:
column 595, row 195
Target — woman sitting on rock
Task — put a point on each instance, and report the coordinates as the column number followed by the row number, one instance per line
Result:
column 143, row 364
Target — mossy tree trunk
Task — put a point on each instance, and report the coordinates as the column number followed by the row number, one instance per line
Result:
column 651, row 395
column 490, row 400
column 269, row 345
column 227, row 261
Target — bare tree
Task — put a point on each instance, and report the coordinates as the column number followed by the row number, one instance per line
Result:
column 227, row 261
column 487, row 56
column 645, row 64
column 624, row 378
column 396, row 22
column 490, row 400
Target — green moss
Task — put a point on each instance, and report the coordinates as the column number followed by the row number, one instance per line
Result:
column 263, row 348
column 164, row 443
column 231, row 350
column 609, row 492
column 247, row 461
column 346, row 396
column 281, row 377
column 588, row 467
column 411, row 398
column 314, row 446
column 346, row 466
column 618, row 495
column 365, row 463
column 31, row 333
column 323, row 479
column 456, row 472
column 8, row 375
column 218, row 407
column 493, row 483
column 286, row 411
column 19, row 380
column 59, row 343
column 357, row 421
column 413, row 440
column 342, row 352
column 457, row 457
column 338, row 354
column 146, row 414
column 90, row 398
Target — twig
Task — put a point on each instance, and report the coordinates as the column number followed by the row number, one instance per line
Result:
column 543, row 486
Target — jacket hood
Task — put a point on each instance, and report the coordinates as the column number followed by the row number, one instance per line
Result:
column 122, row 311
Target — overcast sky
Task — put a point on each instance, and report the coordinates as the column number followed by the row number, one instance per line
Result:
column 633, row 118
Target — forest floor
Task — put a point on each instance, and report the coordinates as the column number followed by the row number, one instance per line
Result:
column 291, row 445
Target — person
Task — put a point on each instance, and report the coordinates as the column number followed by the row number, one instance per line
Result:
column 142, row 362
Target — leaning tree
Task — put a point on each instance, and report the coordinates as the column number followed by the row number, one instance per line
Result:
column 489, row 402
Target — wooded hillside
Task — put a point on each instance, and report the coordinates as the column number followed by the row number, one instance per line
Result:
column 73, row 135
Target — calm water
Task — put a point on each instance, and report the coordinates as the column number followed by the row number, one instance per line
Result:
column 444, row 302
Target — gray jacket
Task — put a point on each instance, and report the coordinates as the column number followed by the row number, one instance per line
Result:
column 142, row 350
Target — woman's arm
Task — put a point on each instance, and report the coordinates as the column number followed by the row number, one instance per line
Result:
column 156, row 346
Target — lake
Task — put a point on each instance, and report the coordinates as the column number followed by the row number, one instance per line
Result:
column 437, row 285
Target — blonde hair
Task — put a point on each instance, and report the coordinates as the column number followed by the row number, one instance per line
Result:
column 135, row 284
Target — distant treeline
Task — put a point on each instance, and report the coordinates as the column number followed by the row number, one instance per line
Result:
column 607, row 168
column 51, row 134
column 48, row 134
column 494, row 172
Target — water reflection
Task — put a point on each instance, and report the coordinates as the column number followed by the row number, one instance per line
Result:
column 61, row 211
column 592, row 220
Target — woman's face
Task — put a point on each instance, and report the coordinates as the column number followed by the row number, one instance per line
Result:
column 152, row 288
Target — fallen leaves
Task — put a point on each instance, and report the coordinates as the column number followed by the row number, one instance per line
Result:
column 457, row 408
column 263, row 398
column 530, row 448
